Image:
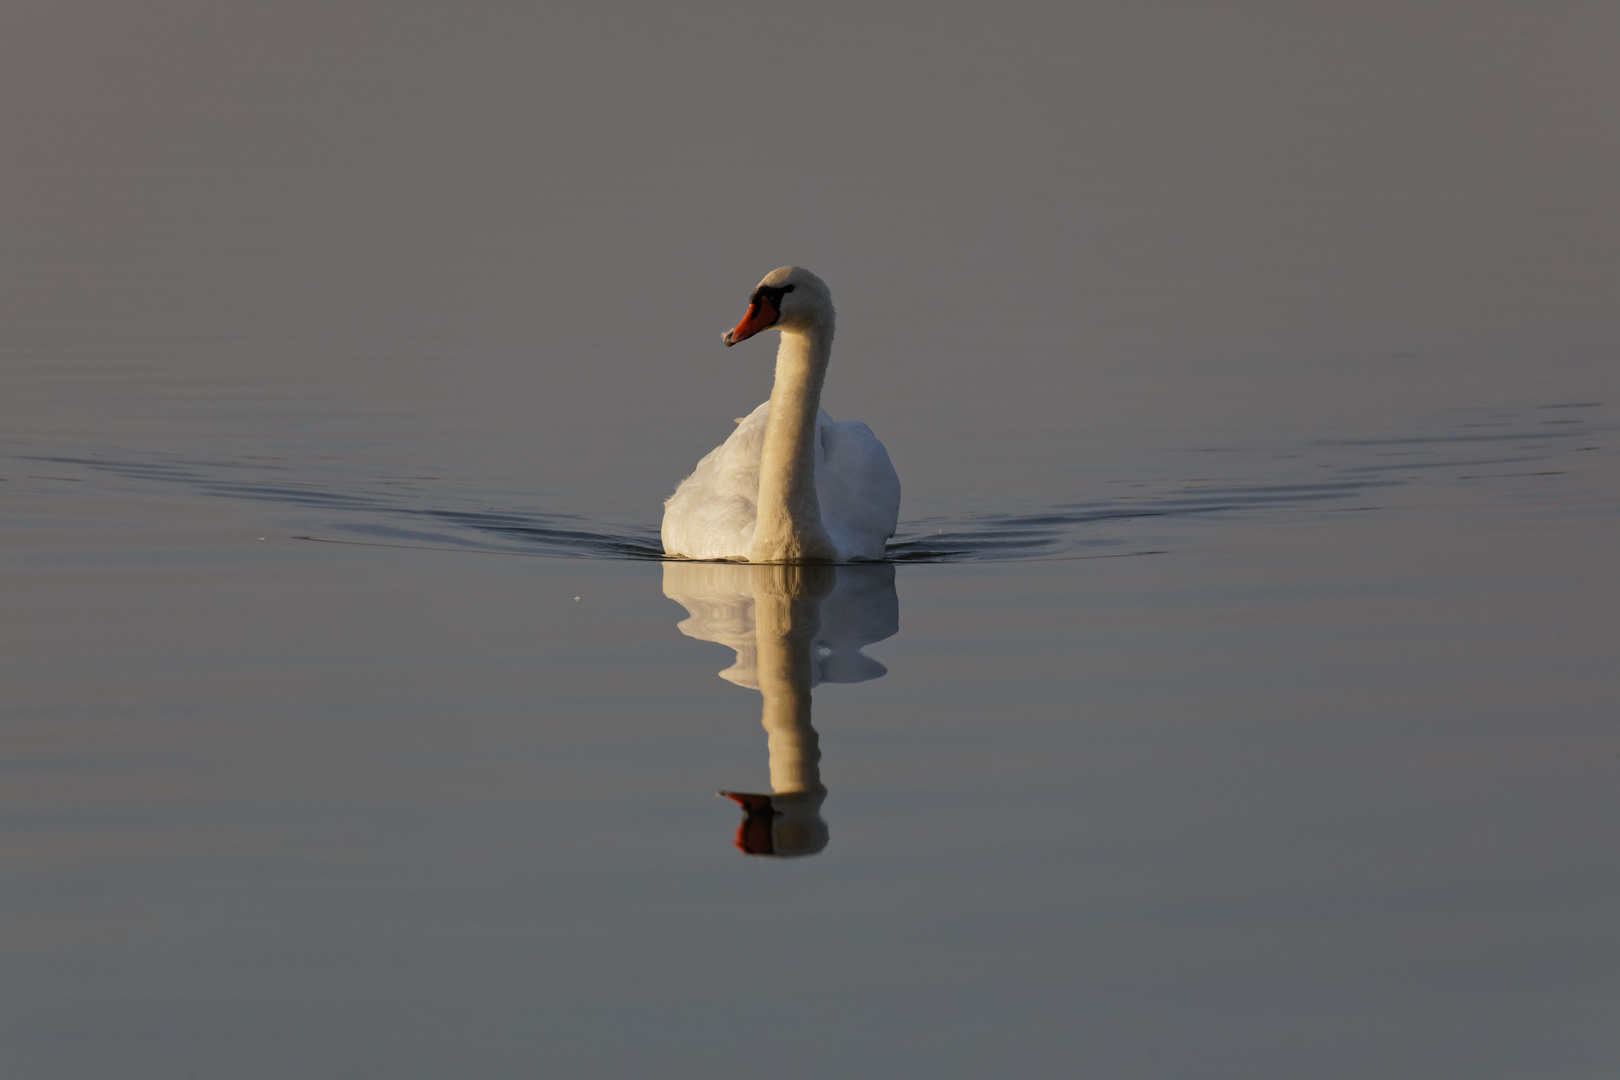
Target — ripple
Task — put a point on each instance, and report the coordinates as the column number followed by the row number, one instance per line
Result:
column 429, row 512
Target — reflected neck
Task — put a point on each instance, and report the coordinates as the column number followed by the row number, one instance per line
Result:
column 788, row 526
column 786, row 618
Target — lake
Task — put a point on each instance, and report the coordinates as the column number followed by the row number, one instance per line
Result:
column 1237, row 699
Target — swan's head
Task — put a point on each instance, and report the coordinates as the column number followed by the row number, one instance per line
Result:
column 790, row 298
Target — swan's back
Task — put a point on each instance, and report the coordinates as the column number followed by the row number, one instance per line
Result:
column 712, row 513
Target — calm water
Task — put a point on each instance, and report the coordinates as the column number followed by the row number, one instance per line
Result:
column 1238, row 700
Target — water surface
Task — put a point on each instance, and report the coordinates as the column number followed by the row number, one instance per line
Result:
column 1237, row 699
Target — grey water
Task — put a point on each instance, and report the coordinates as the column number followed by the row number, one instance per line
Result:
column 1238, row 696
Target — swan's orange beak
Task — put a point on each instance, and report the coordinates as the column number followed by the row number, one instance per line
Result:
column 761, row 315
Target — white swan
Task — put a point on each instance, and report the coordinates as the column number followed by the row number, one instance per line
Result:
column 789, row 485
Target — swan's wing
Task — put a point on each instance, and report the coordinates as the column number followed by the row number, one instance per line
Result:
column 857, row 488
column 711, row 515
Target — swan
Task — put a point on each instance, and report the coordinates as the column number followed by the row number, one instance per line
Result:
column 789, row 485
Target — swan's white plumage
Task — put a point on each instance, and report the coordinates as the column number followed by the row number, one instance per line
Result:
column 712, row 513
column 789, row 485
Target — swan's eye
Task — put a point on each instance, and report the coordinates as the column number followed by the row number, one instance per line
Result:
column 771, row 293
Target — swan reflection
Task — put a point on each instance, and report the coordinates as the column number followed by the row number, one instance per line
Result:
column 792, row 627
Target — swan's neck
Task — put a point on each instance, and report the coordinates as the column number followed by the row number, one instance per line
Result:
column 788, row 527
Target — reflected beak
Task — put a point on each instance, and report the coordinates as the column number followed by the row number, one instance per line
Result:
column 754, row 804
column 755, row 835
column 761, row 314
